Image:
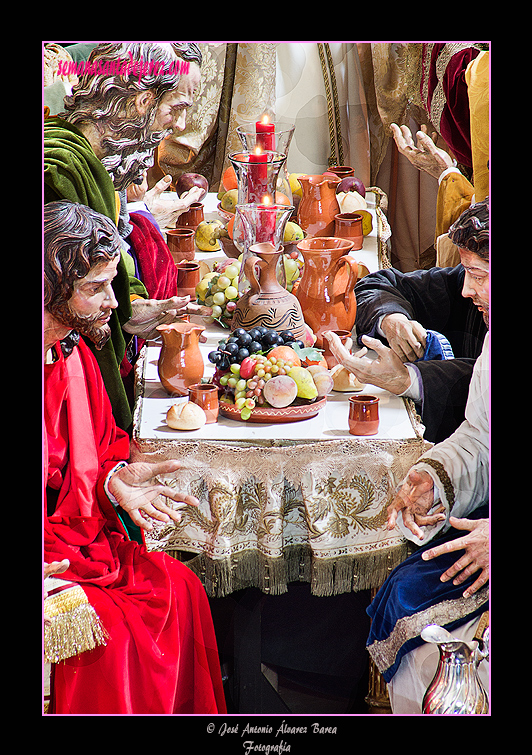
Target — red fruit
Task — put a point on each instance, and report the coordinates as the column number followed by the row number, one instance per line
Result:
column 247, row 367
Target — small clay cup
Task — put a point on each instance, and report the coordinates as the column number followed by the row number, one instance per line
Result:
column 348, row 225
column 342, row 171
column 329, row 357
column 363, row 414
column 180, row 242
column 188, row 277
column 206, row 396
column 192, row 217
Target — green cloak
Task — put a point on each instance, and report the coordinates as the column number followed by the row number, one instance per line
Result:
column 73, row 172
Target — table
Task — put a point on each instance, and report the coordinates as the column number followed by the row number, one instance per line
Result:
column 373, row 255
column 280, row 503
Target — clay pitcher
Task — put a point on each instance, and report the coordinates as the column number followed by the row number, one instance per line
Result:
column 266, row 302
column 318, row 205
column 180, row 361
column 326, row 289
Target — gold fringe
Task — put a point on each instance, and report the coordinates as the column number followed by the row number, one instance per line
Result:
column 327, row 577
column 73, row 627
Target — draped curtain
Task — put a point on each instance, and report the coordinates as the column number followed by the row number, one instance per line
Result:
column 342, row 97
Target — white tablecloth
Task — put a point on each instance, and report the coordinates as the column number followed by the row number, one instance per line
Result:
column 281, row 502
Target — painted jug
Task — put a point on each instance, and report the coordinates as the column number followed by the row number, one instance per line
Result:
column 180, row 360
column 326, row 289
column 318, row 205
column 267, row 303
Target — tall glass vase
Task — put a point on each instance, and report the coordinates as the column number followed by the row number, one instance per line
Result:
column 278, row 141
column 257, row 173
column 257, row 223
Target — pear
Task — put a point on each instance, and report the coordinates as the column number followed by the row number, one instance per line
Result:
column 292, row 233
column 306, row 387
column 229, row 200
column 207, row 235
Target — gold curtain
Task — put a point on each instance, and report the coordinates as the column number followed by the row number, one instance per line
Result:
column 237, row 85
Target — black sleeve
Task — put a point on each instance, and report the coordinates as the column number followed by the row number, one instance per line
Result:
column 445, row 392
column 432, row 297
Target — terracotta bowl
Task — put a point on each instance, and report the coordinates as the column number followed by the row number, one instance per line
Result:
column 268, row 415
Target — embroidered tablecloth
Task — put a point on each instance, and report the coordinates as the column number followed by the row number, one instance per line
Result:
column 273, row 514
column 280, row 503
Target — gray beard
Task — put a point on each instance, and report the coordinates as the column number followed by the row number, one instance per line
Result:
column 127, row 164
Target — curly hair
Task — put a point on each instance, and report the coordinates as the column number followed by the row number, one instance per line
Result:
column 76, row 238
column 472, row 230
column 108, row 94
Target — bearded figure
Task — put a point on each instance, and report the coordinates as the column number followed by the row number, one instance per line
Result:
column 109, row 101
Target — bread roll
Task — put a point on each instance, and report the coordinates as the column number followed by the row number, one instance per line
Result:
column 343, row 380
column 185, row 416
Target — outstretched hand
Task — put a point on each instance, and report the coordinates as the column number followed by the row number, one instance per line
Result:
column 386, row 371
column 475, row 558
column 139, row 492
column 423, row 154
column 166, row 211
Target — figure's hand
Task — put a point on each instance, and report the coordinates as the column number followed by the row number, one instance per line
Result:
column 475, row 558
column 56, row 567
column 424, row 155
column 167, row 211
column 386, row 371
column 406, row 337
column 50, row 570
column 146, row 314
column 137, row 192
column 139, row 492
column 414, row 500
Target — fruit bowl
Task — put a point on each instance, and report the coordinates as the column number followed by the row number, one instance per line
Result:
column 269, row 414
column 224, row 213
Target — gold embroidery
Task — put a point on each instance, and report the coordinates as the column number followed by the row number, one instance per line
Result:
column 443, row 476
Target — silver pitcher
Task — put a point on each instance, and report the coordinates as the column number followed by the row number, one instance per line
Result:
column 456, row 688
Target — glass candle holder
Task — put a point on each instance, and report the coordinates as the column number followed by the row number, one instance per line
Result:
column 277, row 140
column 257, row 173
column 258, row 223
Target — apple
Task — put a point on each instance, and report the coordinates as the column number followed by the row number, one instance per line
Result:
column 351, row 183
column 187, row 180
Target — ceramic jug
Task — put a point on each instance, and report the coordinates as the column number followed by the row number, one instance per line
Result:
column 267, row 303
column 456, row 688
column 318, row 205
column 180, row 361
column 326, row 289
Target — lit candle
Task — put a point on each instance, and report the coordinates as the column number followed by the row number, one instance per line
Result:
column 265, row 134
column 258, row 175
column 267, row 213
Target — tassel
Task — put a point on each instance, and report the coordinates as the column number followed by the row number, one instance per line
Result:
column 72, row 625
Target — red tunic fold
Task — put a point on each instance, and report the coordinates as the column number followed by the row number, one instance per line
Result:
column 161, row 656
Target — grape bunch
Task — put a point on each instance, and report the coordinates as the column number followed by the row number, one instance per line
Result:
column 243, row 343
column 243, row 366
column 219, row 290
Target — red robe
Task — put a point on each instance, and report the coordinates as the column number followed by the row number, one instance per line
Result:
column 161, row 656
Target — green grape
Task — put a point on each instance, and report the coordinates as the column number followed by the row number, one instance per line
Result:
column 219, row 298
column 223, row 282
column 231, row 292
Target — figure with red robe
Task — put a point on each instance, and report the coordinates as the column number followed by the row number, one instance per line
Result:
column 154, row 648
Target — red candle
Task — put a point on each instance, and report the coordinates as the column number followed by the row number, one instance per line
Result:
column 265, row 134
column 266, row 221
column 258, row 176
